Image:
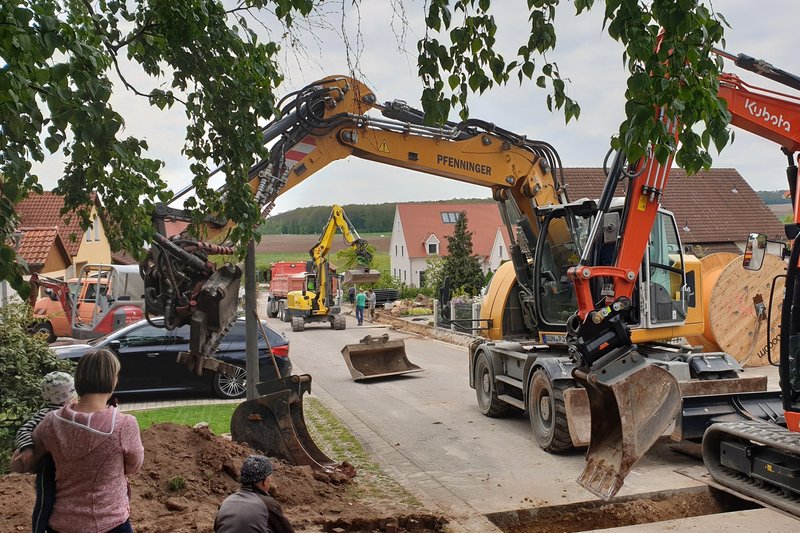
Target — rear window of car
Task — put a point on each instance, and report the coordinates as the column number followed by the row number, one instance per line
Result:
column 237, row 334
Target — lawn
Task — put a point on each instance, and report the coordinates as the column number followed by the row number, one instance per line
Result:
column 217, row 416
column 265, row 259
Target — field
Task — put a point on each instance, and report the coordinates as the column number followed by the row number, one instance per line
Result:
column 295, row 248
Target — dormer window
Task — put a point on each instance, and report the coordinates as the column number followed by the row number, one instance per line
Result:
column 450, row 217
column 432, row 245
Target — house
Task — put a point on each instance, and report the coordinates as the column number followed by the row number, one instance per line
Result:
column 43, row 251
column 83, row 247
column 420, row 231
column 715, row 212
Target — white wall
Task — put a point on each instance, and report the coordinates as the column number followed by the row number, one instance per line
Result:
column 499, row 253
column 399, row 262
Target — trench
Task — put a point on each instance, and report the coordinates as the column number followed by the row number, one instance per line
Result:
column 624, row 511
column 418, row 523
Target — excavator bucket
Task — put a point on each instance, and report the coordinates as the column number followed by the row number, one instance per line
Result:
column 274, row 424
column 361, row 275
column 630, row 409
column 377, row 357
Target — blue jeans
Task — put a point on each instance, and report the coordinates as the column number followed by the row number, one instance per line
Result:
column 45, row 494
column 360, row 314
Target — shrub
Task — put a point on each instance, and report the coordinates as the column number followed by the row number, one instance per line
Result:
column 409, row 293
column 417, row 311
column 24, row 360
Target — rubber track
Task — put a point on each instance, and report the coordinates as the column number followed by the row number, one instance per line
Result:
column 758, row 432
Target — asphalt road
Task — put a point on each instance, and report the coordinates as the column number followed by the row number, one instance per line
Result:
column 425, row 428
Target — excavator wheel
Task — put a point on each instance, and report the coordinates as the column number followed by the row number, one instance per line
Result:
column 272, row 309
column 298, row 324
column 547, row 414
column 486, row 389
column 46, row 329
column 284, row 316
column 339, row 322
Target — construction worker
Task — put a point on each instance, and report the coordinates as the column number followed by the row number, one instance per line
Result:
column 371, row 300
column 361, row 301
column 251, row 508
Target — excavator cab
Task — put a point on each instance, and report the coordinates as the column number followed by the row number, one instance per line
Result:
column 631, row 401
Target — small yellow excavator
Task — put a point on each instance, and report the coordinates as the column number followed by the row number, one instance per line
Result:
column 318, row 301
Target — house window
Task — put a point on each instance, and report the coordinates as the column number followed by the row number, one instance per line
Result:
column 450, row 217
column 89, row 234
column 395, row 249
column 96, row 228
column 421, row 278
column 405, row 278
column 402, row 250
column 501, row 251
column 433, row 248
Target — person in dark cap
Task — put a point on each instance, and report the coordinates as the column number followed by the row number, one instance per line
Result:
column 251, row 508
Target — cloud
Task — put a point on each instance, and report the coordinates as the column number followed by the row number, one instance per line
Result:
column 585, row 55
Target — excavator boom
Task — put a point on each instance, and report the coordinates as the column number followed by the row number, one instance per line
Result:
column 328, row 121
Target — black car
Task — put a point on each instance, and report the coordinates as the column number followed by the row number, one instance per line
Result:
column 148, row 356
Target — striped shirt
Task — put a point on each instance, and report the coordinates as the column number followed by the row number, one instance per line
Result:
column 24, row 439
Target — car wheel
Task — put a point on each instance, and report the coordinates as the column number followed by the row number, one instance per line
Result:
column 298, row 324
column 46, row 329
column 230, row 387
column 486, row 389
column 547, row 414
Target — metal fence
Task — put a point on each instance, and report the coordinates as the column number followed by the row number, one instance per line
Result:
column 460, row 317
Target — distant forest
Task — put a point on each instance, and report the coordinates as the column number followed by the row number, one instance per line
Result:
column 773, row 197
column 367, row 218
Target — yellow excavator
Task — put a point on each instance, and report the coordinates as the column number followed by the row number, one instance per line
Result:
column 529, row 350
column 317, row 302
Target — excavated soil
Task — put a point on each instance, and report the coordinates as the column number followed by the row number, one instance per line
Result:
column 207, row 466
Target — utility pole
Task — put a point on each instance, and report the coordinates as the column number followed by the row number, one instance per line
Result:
column 251, row 314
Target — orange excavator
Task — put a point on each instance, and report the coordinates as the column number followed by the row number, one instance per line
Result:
column 757, row 457
column 632, row 281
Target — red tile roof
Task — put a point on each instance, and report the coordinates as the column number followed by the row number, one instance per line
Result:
column 716, row 206
column 421, row 220
column 42, row 210
column 36, row 245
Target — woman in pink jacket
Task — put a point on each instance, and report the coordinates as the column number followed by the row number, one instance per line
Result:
column 95, row 448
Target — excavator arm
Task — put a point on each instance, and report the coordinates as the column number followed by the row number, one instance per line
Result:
column 327, row 121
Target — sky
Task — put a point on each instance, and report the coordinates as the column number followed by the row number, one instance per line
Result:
column 586, row 56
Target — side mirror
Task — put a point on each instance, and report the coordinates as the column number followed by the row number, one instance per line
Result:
column 114, row 345
column 754, row 251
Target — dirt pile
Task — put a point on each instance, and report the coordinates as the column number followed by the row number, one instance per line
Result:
column 188, row 472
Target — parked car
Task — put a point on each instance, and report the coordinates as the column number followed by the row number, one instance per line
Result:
column 148, row 356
